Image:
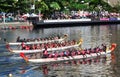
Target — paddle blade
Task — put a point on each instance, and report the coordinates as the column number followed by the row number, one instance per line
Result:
column 23, row 56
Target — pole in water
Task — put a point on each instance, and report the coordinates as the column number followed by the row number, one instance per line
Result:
column 3, row 17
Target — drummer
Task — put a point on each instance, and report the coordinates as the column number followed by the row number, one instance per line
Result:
column 18, row 39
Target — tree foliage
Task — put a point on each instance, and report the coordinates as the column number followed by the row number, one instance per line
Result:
column 49, row 6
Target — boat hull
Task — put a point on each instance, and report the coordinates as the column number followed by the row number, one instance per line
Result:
column 69, row 58
column 36, row 42
column 72, row 23
column 41, row 50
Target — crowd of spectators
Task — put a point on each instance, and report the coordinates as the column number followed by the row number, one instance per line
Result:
column 10, row 17
column 84, row 14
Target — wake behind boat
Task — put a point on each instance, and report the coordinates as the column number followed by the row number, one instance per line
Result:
column 71, row 57
column 70, row 44
column 38, row 41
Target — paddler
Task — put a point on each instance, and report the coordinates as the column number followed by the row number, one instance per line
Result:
column 27, row 47
column 97, row 49
column 88, row 51
column 83, row 52
column 33, row 47
column 104, row 47
column 78, row 52
column 45, row 53
column 62, row 54
column 73, row 53
column 18, row 39
column 23, row 46
column 38, row 46
column 56, row 55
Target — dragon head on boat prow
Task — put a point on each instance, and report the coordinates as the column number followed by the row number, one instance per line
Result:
column 113, row 46
column 80, row 41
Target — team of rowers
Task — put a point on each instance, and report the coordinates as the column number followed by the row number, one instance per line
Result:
column 48, row 45
column 39, row 39
column 69, row 52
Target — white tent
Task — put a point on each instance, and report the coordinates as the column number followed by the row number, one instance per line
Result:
column 26, row 15
column 34, row 15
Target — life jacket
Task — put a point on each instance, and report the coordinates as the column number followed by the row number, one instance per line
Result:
column 53, row 54
column 88, row 52
column 93, row 51
column 83, row 52
column 97, row 50
column 50, row 56
column 45, row 52
column 56, row 55
column 27, row 47
column 33, row 47
column 38, row 47
column 62, row 54
column 101, row 50
column 78, row 52
column 23, row 45
column 73, row 53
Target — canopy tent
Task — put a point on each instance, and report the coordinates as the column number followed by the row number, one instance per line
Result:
column 26, row 15
column 30, row 15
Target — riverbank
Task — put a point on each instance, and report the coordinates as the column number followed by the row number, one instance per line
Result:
column 15, row 24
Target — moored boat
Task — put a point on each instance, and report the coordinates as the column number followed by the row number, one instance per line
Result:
column 37, row 41
column 59, row 59
column 48, row 49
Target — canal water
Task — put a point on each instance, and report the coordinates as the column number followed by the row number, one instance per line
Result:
column 107, row 66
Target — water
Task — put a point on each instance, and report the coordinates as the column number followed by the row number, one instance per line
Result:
column 92, row 35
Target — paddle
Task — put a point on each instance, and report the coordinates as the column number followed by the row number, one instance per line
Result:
column 24, row 57
column 80, row 41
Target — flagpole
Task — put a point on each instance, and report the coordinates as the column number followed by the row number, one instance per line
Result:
column 3, row 17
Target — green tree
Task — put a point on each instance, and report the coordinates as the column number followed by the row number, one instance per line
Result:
column 7, row 5
column 49, row 6
column 41, row 6
column 98, row 5
column 23, row 6
column 55, row 6
column 14, row 5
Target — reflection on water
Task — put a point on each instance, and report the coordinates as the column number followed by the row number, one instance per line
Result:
column 92, row 36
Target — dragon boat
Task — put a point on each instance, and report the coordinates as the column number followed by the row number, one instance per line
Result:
column 48, row 49
column 38, row 41
column 108, row 50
